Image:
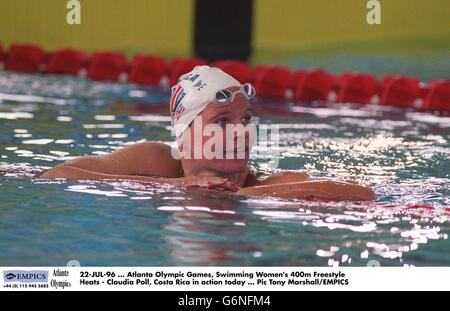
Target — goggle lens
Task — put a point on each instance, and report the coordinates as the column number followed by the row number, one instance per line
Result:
column 249, row 90
column 225, row 96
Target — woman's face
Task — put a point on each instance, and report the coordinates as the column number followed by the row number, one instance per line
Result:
column 225, row 135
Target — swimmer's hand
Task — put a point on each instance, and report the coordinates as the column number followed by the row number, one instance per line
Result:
column 210, row 182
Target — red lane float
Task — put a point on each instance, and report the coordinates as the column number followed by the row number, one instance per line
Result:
column 127, row 68
column 313, row 85
column 389, row 78
column 257, row 71
column 181, row 65
column 25, row 58
column 438, row 97
column 400, row 91
column 47, row 58
column 239, row 70
column 270, row 81
column 356, row 88
column 273, row 82
column 423, row 92
column 296, row 76
column 67, row 61
column 106, row 66
column 147, row 69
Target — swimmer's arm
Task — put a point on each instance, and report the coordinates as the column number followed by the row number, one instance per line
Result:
column 320, row 189
column 147, row 158
column 70, row 172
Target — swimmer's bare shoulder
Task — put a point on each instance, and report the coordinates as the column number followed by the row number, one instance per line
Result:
column 144, row 159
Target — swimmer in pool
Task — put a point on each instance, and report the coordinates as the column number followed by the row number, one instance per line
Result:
column 204, row 105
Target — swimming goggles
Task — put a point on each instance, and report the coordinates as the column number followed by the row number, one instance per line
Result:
column 225, row 96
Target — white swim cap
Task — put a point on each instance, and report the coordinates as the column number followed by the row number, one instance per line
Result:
column 193, row 93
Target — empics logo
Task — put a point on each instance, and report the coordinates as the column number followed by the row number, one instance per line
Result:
column 10, row 276
column 34, row 276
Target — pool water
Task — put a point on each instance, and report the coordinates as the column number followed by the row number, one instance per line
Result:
column 45, row 120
